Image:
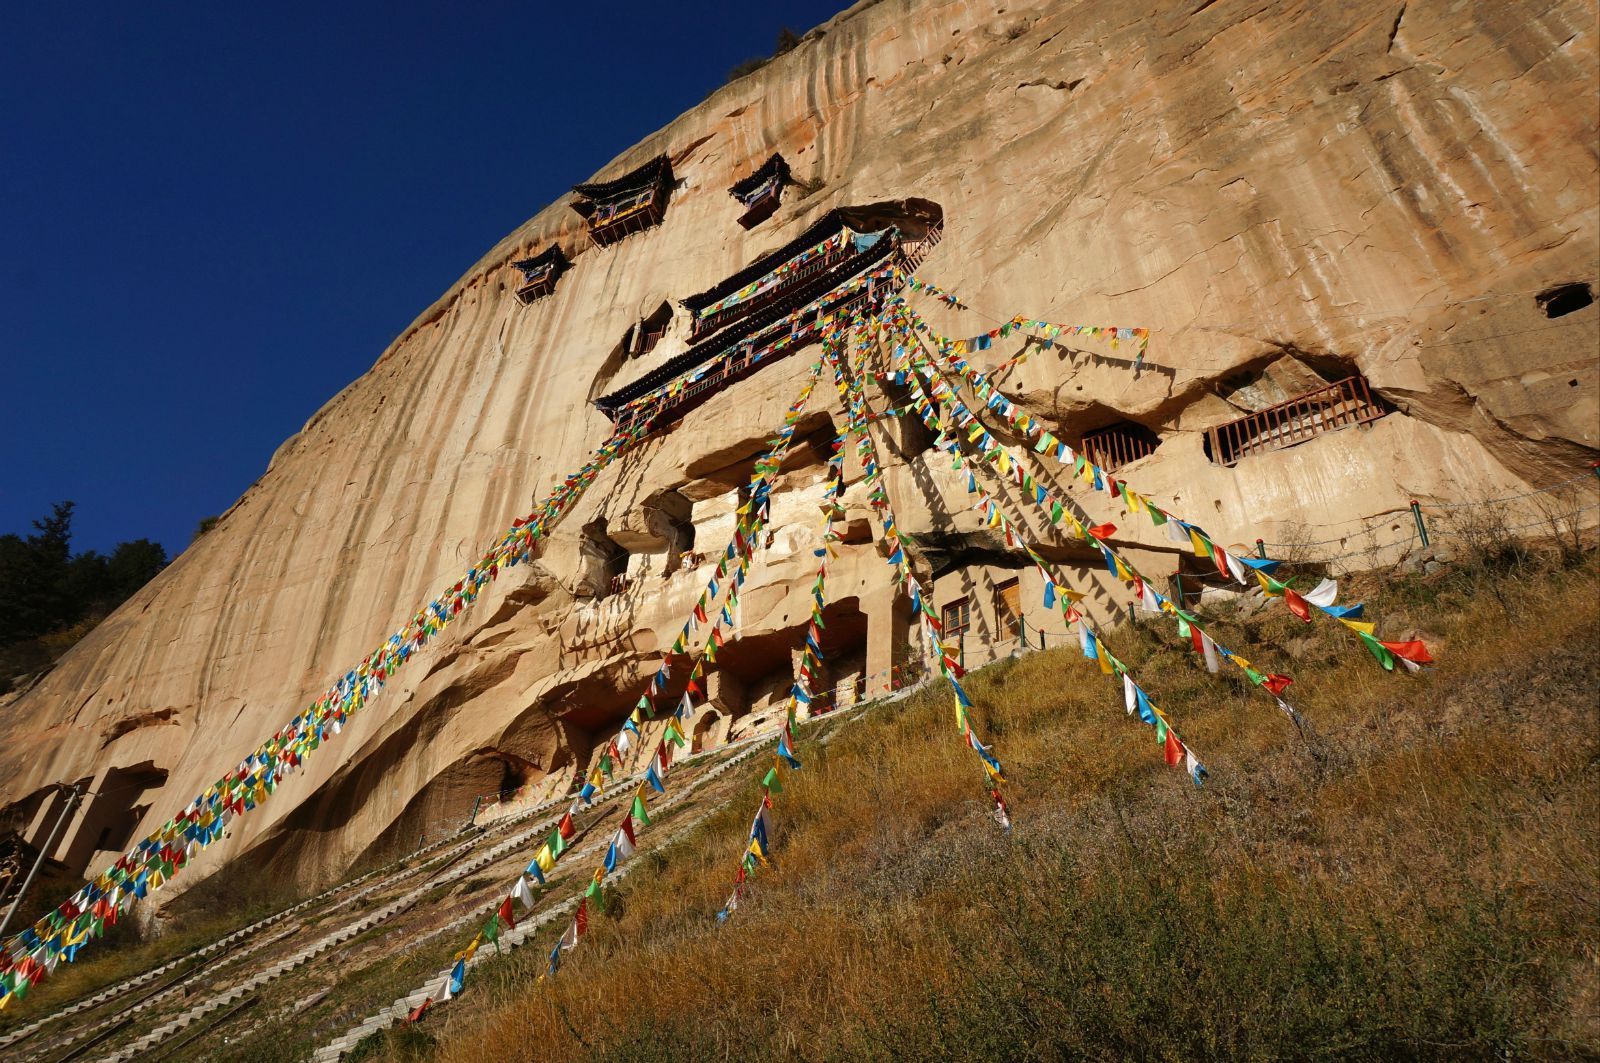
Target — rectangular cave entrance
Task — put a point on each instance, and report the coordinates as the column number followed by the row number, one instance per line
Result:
column 755, row 673
column 109, row 813
column 604, row 563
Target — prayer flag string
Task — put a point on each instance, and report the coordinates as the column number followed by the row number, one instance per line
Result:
column 1231, row 566
column 32, row 954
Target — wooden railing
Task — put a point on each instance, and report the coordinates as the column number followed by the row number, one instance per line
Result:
column 1111, row 448
column 705, row 326
column 610, row 224
column 1339, row 405
column 543, row 285
column 739, row 362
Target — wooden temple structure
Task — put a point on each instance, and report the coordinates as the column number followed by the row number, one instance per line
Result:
column 632, row 203
column 540, row 273
column 762, row 191
column 778, row 304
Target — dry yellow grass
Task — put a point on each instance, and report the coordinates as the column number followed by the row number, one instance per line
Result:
column 1419, row 880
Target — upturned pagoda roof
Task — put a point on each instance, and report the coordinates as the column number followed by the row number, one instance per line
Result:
column 550, row 256
column 657, row 170
column 774, row 166
column 912, row 216
column 753, row 325
column 818, row 230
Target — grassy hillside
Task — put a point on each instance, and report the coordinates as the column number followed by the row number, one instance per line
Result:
column 1418, row 879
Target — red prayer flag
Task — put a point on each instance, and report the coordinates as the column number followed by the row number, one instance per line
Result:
column 1103, row 531
column 1413, row 651
column 582, row 920
column 505, row 914
column 1277, row 683
column 566, row 827
column 1298, row 605
column 416, row 1013
column 1174, row 749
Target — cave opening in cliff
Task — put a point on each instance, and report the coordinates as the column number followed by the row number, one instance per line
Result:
column 1119, row 444
column 110, row 814
column 702, row 737
column 643, row 336
column 756, row 671
column 908, row 434
column 604, row 563
column 680, row 537
column 1345, row 403
column 1565, row 299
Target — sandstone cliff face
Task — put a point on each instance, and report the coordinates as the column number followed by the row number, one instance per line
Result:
column 1283, row 192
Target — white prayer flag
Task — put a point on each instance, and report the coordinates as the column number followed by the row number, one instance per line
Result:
column 1323, row 594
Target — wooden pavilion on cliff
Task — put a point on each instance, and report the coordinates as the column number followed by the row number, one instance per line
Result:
column 628, row 204
column 839, row 245
column 762, row 191
column 540, row 273
column 779, row 303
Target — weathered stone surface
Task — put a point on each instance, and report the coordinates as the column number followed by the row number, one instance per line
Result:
column 1284, row 192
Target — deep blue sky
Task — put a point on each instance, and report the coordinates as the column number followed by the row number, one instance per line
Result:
column 213, row 217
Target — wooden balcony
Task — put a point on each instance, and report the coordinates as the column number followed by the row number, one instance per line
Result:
column 606, row 226
column 738, row 365
column 705, row 326
column 760, row 207
column 1342, row 404
column 538, row 286
column 752, row 329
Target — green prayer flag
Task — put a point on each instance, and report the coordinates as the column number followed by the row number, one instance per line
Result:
column 639, row 812
column 1379, row 650
column 771, row 781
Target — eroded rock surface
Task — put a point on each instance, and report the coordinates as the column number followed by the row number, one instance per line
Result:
column 1286, row 193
